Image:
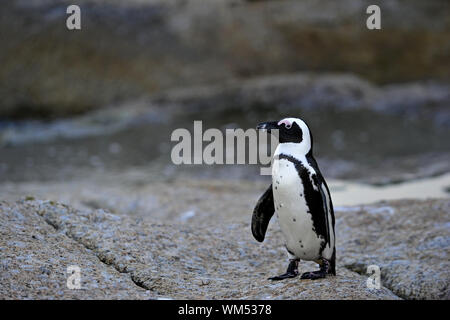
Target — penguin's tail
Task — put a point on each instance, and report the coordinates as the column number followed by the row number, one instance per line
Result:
column 332, row 269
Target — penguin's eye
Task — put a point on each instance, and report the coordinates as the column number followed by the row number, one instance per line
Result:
column 288, row 126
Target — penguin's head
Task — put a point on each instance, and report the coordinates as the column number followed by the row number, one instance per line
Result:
column 290, row 131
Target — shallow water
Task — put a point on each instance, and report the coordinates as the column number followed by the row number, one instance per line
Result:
column 356, row 143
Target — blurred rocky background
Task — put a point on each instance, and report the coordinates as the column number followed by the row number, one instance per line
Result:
column 86, row 118
column 133, row 48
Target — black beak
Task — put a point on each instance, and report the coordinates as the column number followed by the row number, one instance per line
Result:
column 271, row 125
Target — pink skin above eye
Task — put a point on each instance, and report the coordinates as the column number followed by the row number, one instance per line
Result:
column 287, row 123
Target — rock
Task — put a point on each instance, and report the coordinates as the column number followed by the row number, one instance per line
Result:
column 171, row 261
column 213, row 255
column 35, row 256
column 48, row 71
column 409, row 240
column 306, row 91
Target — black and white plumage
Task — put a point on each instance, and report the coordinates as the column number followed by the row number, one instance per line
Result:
column 301, row 198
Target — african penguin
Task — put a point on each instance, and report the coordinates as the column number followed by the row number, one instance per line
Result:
column 301, row 198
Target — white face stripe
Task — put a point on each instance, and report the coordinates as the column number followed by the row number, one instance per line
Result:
column 297, row 149
column 286, row 122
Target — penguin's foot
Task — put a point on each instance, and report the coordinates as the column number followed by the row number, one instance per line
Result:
column 314, row 275
column 322, row 273
column 283, row 276
column 291, row 272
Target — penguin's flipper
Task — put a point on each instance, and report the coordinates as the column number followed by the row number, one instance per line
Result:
column 262, row 214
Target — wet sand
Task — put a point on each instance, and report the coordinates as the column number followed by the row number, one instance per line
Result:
column 346, row 193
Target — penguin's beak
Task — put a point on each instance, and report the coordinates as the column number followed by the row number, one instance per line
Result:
column 271, row 125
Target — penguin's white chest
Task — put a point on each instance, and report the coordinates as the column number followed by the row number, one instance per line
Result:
column 292, row 211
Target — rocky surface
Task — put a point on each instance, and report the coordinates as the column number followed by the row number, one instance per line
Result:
column 213, row 255
column 408, row 240
column 168, row 260
column 34, row 258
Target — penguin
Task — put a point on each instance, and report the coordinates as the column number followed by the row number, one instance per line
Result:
column 301, row 199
